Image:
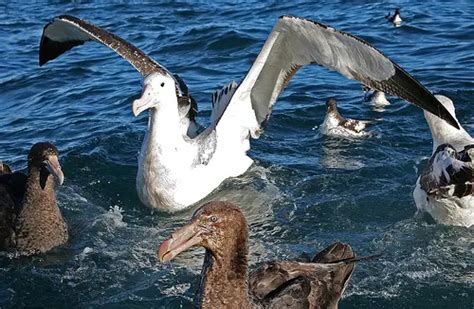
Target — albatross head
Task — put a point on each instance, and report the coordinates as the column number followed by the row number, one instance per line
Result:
column 158, row 89
column 220, row 227
column 443, row 132
column 44, row 157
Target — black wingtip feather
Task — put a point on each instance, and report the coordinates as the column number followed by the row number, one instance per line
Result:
column 50, row 49
column 414, row 92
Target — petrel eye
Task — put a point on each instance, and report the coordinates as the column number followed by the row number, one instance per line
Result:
column 162, row 84
column 213, row 219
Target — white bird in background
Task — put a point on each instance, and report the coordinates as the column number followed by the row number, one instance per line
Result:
column 178, row 167
column 445, row 188
column 375, row 98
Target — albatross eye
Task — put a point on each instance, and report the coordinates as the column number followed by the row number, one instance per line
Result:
column 213, row 219
column 162, row 84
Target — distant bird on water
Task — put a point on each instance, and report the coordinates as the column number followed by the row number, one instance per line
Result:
column 178, row 167
column 445, row 189
column 336, row 125
column 395, row 18
column 30, row 220
column 375, row 97
column 221, row 228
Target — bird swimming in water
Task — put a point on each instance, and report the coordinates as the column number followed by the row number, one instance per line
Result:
column 179, row 166
column 445, row 188
column 375, row 98
column 30, row 220
column 395, row 19
column 336, row 125
column 221, row 228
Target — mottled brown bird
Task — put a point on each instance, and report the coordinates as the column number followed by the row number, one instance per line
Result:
column 30, row 220
column 221, row 229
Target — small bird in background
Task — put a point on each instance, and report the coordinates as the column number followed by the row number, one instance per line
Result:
column 395, row 19
column 374, row 97
column 336, row 125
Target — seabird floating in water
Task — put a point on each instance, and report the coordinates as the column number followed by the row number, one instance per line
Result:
column 395, row 19
column 30, row 220
column 221, row 228
column 445, row 188
column 177, row 167
column 375, row 98
column 336, row 125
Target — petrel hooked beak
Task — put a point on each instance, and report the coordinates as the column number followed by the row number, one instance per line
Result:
column 143, row 103
column 53, row 166
column 182, row 239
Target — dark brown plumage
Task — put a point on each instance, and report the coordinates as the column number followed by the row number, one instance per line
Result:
column 221, row 229
column 30, row 220
column 5, row 168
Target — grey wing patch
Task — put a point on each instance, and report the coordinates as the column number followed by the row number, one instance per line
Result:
column 449, row 173
column 206, row 143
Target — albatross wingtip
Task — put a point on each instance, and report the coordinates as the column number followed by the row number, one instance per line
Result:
column 442, row 112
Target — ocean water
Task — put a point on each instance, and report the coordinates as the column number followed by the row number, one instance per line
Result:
column 304, row 191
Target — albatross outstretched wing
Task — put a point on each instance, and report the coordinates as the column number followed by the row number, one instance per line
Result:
column 295, row 42
column 65, row 32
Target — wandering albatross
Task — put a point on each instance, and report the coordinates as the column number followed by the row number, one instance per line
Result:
column 445, row 189
column 221, row 228
column 178, row 167
column 30, row 220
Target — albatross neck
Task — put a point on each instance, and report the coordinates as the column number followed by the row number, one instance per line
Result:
column 39, row 188
column 40, row 225
column 224, row 282
column 164, row 127
column 444, row 133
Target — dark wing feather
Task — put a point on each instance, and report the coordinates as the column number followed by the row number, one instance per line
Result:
column 12, row 191
column 321, row 283
column 65, row 32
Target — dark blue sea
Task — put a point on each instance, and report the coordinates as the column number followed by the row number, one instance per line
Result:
column 304, row 191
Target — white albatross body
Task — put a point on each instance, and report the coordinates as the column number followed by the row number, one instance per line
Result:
column 446, row 208
column 178, row 167
column 169, row 174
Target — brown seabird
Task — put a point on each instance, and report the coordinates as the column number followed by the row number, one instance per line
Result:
column 221, row 228
column 30, row 220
